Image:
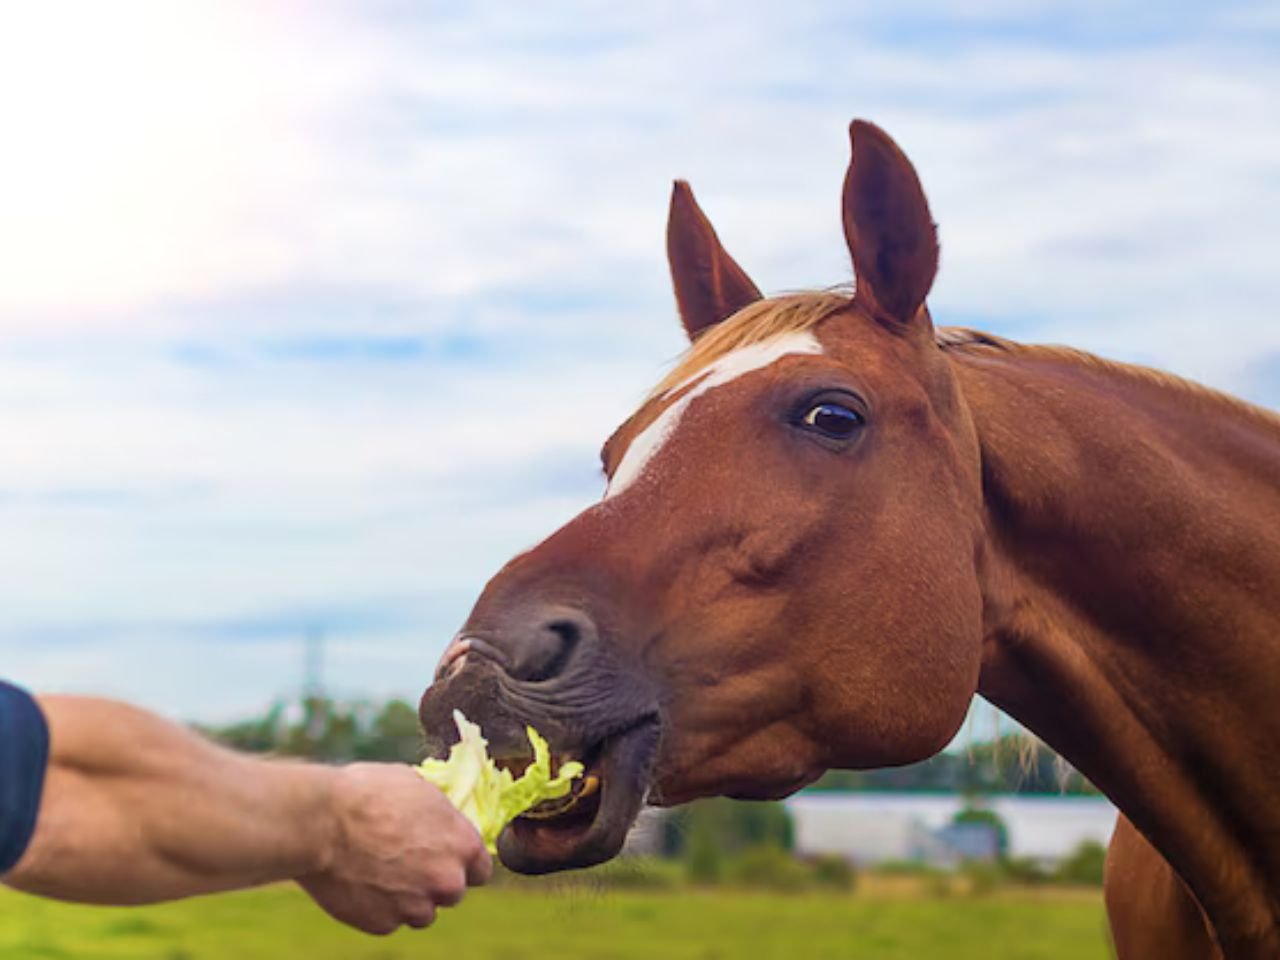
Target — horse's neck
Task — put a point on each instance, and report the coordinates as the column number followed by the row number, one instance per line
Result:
column 1132, row 583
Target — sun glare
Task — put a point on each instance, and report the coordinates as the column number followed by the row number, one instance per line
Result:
column 127, row 129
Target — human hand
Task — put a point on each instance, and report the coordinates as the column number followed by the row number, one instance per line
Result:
column 400, row 851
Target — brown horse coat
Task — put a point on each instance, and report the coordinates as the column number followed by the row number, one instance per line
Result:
column 832, row 525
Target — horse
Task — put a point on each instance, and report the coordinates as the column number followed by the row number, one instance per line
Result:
column 832, row 524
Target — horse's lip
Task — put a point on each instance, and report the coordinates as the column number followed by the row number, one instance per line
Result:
column 625, row 768
column 463, row 646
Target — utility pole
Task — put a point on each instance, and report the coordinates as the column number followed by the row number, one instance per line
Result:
column 313, row 664
column 313, row 694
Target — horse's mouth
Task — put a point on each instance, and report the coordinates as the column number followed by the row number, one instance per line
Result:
column 613, row 731
column 590, row 824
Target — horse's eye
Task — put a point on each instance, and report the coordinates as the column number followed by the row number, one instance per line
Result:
column 832, row 420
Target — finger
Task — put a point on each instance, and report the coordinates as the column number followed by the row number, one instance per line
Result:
column 479, row 867
column 420, row 915
column 450, row 893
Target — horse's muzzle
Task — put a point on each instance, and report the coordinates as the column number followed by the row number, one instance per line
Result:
column 557, row 677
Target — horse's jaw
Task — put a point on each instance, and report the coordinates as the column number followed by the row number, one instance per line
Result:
column 594, row 829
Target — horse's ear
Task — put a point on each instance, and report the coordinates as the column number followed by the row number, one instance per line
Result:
column 709, row 284
column 887, row 224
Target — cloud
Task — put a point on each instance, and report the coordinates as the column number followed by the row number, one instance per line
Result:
column 322, row 308
column 1083, row 165
column 144, row 142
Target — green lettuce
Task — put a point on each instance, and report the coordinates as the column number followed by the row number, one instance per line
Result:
column 488, row 796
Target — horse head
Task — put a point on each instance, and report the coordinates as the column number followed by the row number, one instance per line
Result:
column 783, row 574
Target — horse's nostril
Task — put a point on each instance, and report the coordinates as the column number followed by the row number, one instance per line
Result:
column 546, row 652
column 570, row 635
column 566, row 630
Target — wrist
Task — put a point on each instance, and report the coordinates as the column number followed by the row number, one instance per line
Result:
column 327, row 816
column 306, row 801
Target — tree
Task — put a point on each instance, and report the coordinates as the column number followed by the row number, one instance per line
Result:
column 731, row 825
column 1084, row 866
column 1015, row 763
column 972, row 814
column 329, row 730
column 395, row 735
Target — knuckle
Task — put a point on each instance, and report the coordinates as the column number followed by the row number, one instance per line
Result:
column 474, row 848
column 478, row 866
column 449, row 886
column 451, row 894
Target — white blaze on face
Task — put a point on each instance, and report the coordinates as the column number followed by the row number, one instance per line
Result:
column 742, row 361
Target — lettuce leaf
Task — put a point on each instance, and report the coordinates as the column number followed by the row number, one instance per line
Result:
column 488, row 796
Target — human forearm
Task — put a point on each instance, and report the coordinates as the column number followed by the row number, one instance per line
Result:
column 136, row 809
column 125, row 787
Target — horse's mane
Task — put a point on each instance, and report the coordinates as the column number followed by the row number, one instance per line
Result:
column 963, row 340
column 797, row 312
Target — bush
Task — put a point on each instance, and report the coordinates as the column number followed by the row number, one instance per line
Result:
column 1026, row 871
column 973, row 815
column 770, row 868
column 704, row 863
column 1084, row 867
column 834, row 872
column 735, row 824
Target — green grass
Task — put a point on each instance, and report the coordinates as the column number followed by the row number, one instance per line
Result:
column 575, row 924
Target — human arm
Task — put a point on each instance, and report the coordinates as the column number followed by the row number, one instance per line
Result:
column 137, row 809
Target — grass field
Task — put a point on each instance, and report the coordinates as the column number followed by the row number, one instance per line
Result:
column 519, row 924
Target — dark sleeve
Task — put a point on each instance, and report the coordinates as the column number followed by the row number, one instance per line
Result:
column 24, row 753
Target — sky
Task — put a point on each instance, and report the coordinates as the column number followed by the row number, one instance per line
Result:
column 313, row 314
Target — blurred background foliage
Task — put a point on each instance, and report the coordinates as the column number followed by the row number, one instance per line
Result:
column 319, row 728
column 324, row 729
column 724, row 842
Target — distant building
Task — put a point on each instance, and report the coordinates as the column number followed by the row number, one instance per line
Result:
column 831, row 828
column 971, row 841
column 870, row 828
